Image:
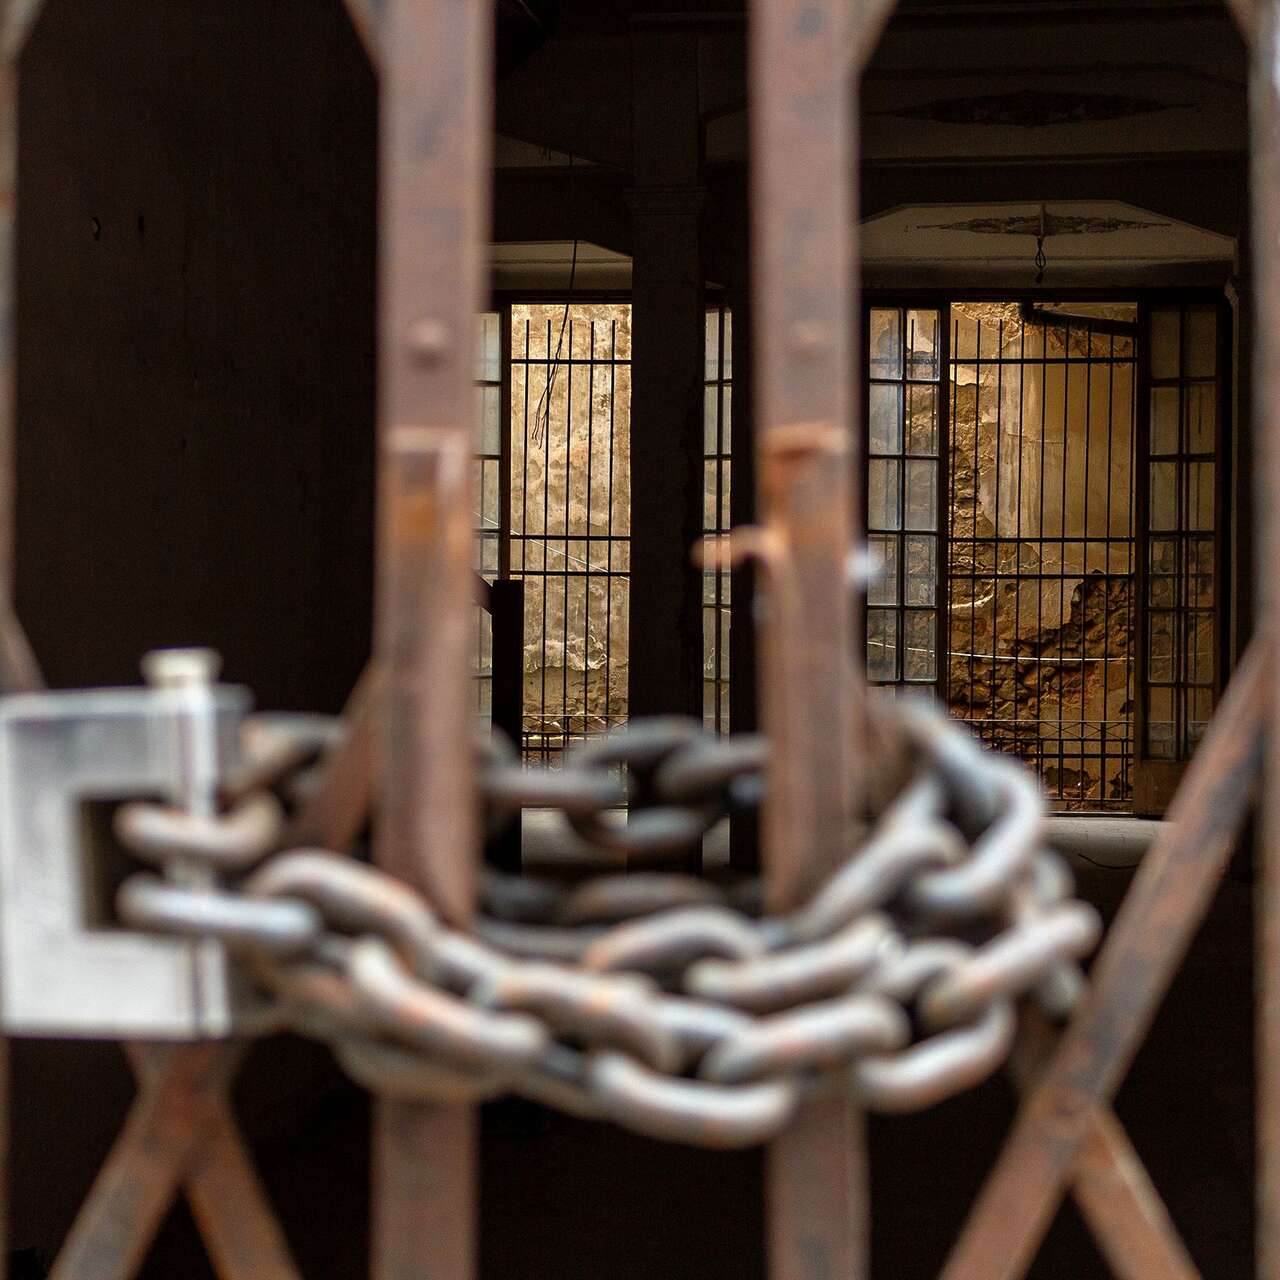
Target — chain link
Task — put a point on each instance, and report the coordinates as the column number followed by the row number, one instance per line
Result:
column 661, row 1001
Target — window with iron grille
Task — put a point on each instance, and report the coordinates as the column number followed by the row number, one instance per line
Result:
column 1014, row 431
column 570, row 516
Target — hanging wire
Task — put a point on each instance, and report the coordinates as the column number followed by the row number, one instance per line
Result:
column 542, row 414
column 1041, row 260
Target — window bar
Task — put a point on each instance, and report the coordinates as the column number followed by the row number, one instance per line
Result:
column 524, row 493
column 566, row 717
column 544, row 750
column 1018, row 736
column 437, row 66
column 1040, row 543
column 1086, row 546
column 1104, row 730
column 995, row 540
column 950, row 533
column 1061, row 789
column 588, row 544
column 608, row 610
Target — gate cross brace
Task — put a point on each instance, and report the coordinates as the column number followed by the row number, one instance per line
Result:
column 1115, row 1194
column 181, row 1128
column 179, row 1132
column 1169, row 897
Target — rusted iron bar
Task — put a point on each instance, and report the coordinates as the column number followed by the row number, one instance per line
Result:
column 335, row 812
column 1265, row 151
column 19, row 671
column 1245, row 13
column 803, row 161
column 1116, row 1196
column 1124, row 1211
column 367, row 22
column 1168, row 899
column 436, row 110
column 180, row 1127
column 867, row 21
column 18, row 668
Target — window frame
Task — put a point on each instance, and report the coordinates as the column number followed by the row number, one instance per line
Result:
column 1154, row 782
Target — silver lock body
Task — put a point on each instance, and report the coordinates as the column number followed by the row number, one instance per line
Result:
column 66, row 969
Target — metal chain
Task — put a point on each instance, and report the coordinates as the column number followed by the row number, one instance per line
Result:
column 660, row 1001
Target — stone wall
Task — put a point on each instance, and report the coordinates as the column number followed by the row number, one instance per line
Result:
column 571, row 512
column 1040, row 627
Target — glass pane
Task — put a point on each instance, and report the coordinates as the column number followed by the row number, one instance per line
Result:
column 1202, row 418
column 1201, row 356
column 1200, row 570
column 885, row 344
column 727, row 353
column 921, row 569
column 1161, row 656
column 1163, row 514
column 883, row 587
column 882, row 644
column 1200, row 495
column 488, row 414
column 1164, row 419
column 1200, row 646
column 922, row 495
column 1165, row 330
column 882, row 495
column 922, row 345
column 712, row 347
column 920, row 660
column 710, row 419
column 488, row 352
column 1199, row 713
column 922, row 420
column 1164, row 555
column 1162, row 591
column 885, row 419
column 1161, row 743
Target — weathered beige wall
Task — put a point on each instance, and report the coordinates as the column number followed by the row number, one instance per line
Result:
column 1041, row 452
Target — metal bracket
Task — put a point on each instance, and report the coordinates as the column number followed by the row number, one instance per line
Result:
column 66, row 967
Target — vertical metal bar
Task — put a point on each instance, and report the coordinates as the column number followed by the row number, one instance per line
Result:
column 942, row 543
column 1017, row 530
column 608, row 589
column 546, row 537
column 589, row 544
column 1062, row 559
column 995, row 539
column 435, row 130
column 1265, row 144
column 1104, row 729
column 1085, row 547
column 19, row 671
column 504, row 444
column 566, row 720
column 803, row 156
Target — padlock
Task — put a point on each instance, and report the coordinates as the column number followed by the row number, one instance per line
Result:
column 67, row 760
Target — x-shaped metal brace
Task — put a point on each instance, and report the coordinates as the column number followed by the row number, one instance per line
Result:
column 1064, row 1132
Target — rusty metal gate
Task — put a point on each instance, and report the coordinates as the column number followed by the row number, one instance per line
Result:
column 438, row 1003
